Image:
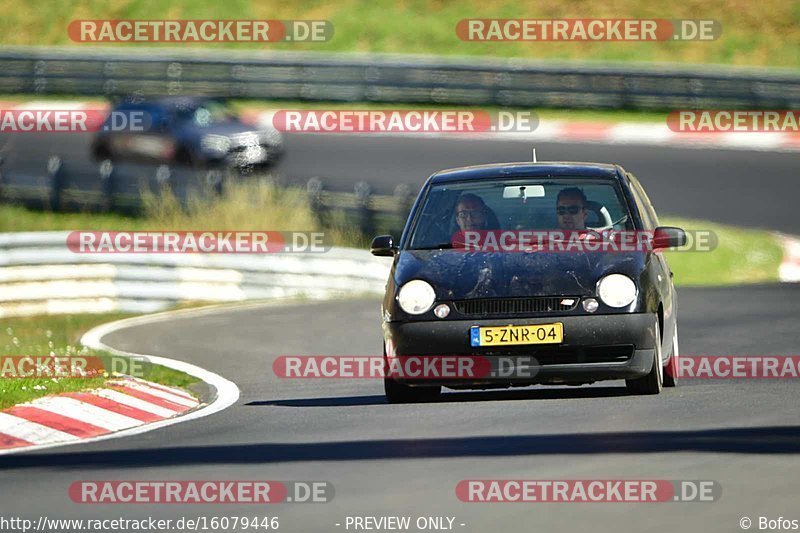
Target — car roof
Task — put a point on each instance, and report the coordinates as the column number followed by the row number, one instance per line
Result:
column 181, row 101
column 167, row 102
column 529, row 170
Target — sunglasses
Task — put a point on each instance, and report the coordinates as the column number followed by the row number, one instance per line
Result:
column 471, row 214
column 571, row 209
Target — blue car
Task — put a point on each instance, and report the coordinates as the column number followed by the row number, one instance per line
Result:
column 198, row 132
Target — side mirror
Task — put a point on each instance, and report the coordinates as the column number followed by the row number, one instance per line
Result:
column 383, row 246
column 668, row 237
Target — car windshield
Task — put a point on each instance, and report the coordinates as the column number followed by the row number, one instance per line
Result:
column 520, row 204
column 206, row 114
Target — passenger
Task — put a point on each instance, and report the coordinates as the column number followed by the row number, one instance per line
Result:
column 472, row 214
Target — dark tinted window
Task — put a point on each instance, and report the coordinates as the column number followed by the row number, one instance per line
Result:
column 436, row 222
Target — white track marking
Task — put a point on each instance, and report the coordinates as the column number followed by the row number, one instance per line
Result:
column 789, row 270
column 130, row 401
column 86, row 412
column 174, row 398
column 227, row 391
column 31, row 431
column 172, row 390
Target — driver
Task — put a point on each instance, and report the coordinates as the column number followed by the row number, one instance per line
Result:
column 571, row 209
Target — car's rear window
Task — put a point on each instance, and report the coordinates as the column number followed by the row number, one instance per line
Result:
column 533, row 208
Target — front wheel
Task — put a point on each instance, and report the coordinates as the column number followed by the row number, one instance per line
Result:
column 671, row 370
column 400, row 393
column 653, row 382
column 186, row 157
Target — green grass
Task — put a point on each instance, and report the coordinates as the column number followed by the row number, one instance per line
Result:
column 765, row 33
column 742, row 256
column 58, row 335
column 16, row 218
column 251, row 205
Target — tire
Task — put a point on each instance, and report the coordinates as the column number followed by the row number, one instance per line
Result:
column 399, row 393
column 102, row 151
column 653, row 382
column 671, row 370
column 186, row 157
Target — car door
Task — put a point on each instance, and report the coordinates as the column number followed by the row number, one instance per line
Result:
column 153, row 143
column 656, row 260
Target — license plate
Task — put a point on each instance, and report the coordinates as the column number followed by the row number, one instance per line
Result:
column 515, row 335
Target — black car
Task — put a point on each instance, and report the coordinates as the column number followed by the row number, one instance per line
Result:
column 198, row 132
column 581, row 315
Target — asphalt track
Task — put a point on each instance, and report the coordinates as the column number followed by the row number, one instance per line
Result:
column 407, row 459
column 750, row 188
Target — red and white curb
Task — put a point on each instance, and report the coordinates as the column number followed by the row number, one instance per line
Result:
column 789, row 271
column 633, row 133
column 124, row 407
column 121, row 404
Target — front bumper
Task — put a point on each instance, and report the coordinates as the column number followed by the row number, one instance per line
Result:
column 261, row 154
column 595, row 348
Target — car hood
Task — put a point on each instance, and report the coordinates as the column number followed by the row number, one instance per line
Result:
column 232, row 129
column 457, row 274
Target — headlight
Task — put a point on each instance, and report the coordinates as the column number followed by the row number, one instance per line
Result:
column 217, row 144
column 616, row 290
column 416, row 297
column 272, row 137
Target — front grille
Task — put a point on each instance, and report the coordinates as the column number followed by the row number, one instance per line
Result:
column 564, row 355
column 516, row 306
column 242, row 147
column 240, row 141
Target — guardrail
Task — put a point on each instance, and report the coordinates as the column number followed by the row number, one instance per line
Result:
column 56, row 185
column 60, row 184
column 391, row 78
column 40, row 275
